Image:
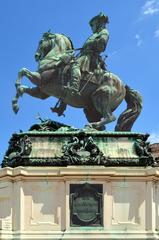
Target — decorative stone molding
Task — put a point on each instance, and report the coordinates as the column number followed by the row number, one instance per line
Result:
column 54, row 144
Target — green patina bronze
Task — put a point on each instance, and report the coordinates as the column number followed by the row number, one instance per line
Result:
column 53, row 144
column 80, row 80
column 86, row 205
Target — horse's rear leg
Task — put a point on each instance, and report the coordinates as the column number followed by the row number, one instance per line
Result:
column 101, row 102
column 93, row 116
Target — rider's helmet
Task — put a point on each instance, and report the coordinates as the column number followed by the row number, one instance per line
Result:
column 100, row 19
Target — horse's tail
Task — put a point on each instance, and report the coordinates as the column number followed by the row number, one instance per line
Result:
column 134, row 106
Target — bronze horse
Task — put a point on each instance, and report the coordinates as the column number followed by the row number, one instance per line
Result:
column 100, row 94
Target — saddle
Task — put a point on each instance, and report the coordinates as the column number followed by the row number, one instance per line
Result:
column 96, row 77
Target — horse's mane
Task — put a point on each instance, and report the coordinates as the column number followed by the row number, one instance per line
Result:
column 69, row 40
column 66, row 37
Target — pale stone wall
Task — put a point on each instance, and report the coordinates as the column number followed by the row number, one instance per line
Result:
column 34, row 202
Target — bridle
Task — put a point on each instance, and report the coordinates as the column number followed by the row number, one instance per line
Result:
column 43, row 52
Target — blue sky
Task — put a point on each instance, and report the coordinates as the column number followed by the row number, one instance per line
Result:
column 133, row 51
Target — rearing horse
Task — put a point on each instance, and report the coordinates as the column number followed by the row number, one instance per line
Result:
column 54, row 55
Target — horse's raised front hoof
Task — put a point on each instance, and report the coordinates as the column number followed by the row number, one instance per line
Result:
column 15, row 107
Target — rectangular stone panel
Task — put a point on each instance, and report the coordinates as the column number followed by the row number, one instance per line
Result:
column 127, row 205
column 86, row 205
column 44, row 205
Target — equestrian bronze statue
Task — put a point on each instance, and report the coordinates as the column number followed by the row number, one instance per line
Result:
column 80, row 80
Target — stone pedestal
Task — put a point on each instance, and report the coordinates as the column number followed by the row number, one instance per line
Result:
column 63, row 183
column 35, row 202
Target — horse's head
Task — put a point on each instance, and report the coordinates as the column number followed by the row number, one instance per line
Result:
column 45, row 45
column 58, row 43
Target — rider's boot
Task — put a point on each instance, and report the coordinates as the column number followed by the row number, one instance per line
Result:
column 73, row 88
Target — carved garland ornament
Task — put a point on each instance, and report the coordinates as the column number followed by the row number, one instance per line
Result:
column 18, row 147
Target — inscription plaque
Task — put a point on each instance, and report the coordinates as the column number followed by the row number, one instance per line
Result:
column 86, row 204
